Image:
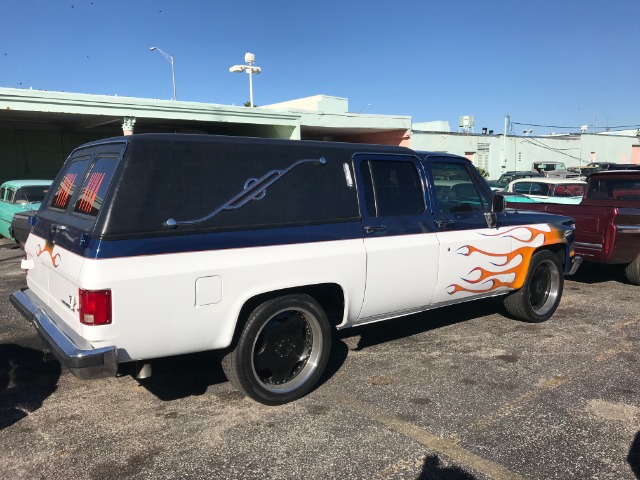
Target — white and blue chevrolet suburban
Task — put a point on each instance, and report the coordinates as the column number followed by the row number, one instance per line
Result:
column 154, row 245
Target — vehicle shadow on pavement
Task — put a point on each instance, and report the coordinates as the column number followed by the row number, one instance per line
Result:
column 433, row 470
column 26, row 380
column 188, row 375
column 591, row 273
column 377, row 333
column 634, row 455
column 181, row 376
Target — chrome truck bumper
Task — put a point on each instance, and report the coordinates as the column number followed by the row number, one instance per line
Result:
column 575, row 263
column 72, row 351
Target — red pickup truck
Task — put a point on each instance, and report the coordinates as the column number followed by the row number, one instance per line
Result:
column 607, row 219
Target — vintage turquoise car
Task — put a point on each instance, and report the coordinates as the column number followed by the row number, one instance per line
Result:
column 19, row 196
column 545, row 190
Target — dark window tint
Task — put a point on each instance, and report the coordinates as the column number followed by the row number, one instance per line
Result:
column 615, row 189
column 456, row 190
column 397, row 189
column 95, row 186
column 67, row 186
column 2, row 193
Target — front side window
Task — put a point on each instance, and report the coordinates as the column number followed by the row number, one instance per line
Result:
column 11, row 195
column 67, row 186
column 93, row 190
column 392, row 188
column 457, row 191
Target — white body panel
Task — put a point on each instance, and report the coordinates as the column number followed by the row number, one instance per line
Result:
column 401, row 274
column 463, row 255
column 187, row 302
column 154, row 297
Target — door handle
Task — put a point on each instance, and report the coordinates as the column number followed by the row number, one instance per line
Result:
column 444, row 223
column 374, row 228
column 58, row 228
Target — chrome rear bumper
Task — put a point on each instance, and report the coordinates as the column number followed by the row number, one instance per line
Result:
column 73, row 352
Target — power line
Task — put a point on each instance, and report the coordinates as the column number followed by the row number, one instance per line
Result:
column 558, row 126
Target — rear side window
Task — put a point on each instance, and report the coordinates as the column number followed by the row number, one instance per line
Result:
column 68, row 185
column 392, row 188
column 95, row 185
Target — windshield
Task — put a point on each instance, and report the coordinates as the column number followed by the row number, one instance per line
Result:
column 32, row 194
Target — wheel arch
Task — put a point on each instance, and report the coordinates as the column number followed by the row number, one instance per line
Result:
column 561, row 251
column 330, row 296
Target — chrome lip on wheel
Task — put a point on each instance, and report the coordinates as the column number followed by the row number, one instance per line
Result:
column 286, row 350
column 543, row 289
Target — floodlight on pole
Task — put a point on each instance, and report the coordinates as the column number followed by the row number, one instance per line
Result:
column 250, row 68
column 173, row 72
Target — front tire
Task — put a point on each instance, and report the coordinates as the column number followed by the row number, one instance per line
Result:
column 540, row 294
column 632, row 271
column 282, row 351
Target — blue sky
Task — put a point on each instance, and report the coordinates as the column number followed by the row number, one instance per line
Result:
column 545, row 62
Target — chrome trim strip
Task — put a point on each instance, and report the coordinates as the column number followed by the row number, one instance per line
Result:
column 628, row 228
column 75, row 353
column 402, row 313
column 589, row 246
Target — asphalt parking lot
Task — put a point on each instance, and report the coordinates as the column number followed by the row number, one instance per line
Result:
column 457, row 393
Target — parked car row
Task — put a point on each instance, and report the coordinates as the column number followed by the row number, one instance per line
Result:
column 607, row 217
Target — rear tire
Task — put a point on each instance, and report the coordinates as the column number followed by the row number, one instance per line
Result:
column 540, row 295
column 632, row 271
column 282, row 351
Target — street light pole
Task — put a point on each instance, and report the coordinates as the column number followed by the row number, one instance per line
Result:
column 173, row 72
column 250, row 68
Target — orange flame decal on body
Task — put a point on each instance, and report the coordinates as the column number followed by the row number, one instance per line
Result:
column 532, row 238
column 48, row 247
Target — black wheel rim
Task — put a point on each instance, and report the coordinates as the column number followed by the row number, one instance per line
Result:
column 543, row 287
column 286, row 350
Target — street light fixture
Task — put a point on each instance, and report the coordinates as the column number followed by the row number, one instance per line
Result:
column 173, row 73
column 249, row 58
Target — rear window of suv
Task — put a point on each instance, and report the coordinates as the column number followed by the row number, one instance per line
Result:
column 65, row 190
column 84, row 183
column 95, row 185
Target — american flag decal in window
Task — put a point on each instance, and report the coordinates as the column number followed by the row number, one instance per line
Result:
column 90, row 192
column 65, row 189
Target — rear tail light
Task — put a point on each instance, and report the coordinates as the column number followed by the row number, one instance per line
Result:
column 95, row 307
